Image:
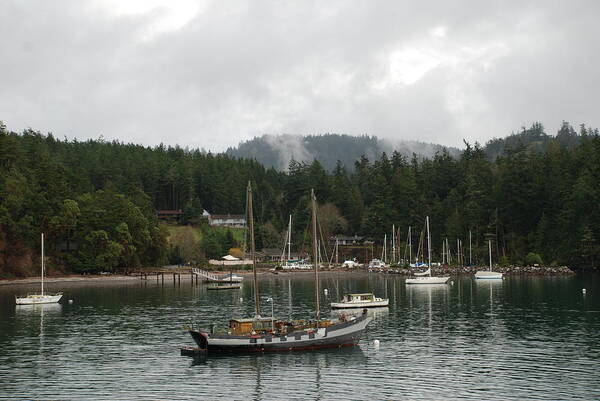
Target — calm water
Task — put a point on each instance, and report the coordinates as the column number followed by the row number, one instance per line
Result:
column 521, row 338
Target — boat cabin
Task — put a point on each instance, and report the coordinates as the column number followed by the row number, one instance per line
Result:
column 247, row 326
column 359, row 298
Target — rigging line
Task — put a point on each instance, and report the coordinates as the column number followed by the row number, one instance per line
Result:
column 421, row 246
column 284, row 245
column 406, row 246
column 304, row 237
column 321, row 233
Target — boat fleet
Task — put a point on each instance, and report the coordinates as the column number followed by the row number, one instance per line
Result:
column 267, row 334
column 263, row 334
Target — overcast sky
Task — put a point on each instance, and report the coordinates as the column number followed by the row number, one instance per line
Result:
column 212, row 73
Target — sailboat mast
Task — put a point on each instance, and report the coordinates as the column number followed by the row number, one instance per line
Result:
column 336, row 250
column 409, row 246
column 428, row 247
column 316, row 260
column 251, row 225
column 490, row 248
column 393, row 244
column 42, row 263
column 470, row 250
column 289, row 239
column 443, row 252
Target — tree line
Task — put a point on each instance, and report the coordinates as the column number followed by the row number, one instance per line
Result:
column 97, row 199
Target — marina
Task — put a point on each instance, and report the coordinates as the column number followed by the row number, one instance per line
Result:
column 498, row 339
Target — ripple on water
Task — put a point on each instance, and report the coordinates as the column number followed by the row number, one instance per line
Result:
column 472, row 341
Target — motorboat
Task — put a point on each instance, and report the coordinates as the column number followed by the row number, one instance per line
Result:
column 367, row 300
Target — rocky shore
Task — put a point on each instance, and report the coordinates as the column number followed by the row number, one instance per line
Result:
column 447, row 270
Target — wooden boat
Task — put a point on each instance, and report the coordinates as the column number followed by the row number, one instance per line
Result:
column 266, row 334
column 489, row 274
column 426, row 277
column 41, row 298
column 367, row 300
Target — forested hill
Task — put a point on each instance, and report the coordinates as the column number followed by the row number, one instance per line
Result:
column 535, row 139
column 96, row 200
column 278, row 150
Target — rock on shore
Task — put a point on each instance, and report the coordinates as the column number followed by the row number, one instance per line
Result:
column 447, row 270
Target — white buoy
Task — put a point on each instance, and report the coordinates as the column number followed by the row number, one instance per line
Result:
column 583, row 290
column 452, row 283
column 70, row 301
column 325, row 291
column 241, row 299
column 376, row 344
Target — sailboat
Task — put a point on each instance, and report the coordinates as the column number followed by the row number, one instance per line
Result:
column 426, row 277
column 41, row 298
column 489, row 274
column 265, row 334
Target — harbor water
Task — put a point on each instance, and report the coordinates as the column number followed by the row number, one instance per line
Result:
column 524, row 337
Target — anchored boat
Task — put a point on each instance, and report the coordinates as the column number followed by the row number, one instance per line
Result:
column 360, row 301
column 41, row 298
column 267, row 334
column 489, row 274
column 426, row 277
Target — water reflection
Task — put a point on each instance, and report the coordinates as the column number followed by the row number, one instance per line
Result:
column 375, row 313
column 519, row 338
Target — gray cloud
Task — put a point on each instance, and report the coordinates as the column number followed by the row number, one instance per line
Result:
column 209, row 74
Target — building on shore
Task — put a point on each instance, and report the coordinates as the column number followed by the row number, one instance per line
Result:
column 225, row 220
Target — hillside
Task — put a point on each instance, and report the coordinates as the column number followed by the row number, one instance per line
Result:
column 278, row 150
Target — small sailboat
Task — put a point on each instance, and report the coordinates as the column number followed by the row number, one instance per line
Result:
column 426, row 277
column 267, row 334
column 41, row 298
column 489, row 274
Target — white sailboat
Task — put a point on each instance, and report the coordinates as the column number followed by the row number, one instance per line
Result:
column 426, row 277
column 489, row 274
column 41, row 298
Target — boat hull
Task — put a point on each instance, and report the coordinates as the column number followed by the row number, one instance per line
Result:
column 427, row 280
column 225, row 287
column 488, row 275
column 339, row 335
column 353, row 305
column 38, row 299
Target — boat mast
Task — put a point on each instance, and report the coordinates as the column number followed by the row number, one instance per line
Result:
column 409, row 246
column 316, row 261
column 490, row 248
column 251, row 225
column 336, row 250
column 428, row 247
column 393, row 245
column 289, row 240
column 443, row 252
column 470, row 249
column 42, row 263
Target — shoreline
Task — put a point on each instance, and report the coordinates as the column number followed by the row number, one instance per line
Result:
column 185, row 275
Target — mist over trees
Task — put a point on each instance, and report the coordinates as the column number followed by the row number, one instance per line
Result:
column 278, row 150
column 534, row 194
